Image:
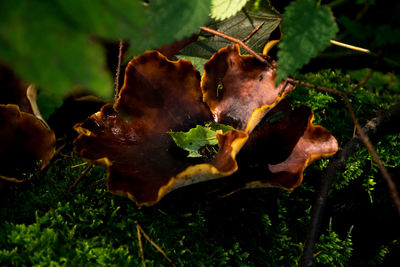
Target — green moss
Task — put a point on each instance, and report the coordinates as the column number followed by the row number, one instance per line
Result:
column 43, row 224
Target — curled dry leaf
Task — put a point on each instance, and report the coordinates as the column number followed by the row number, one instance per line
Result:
column 132, row 137
column 24, row 141
column 239, row 89
column 279, row 149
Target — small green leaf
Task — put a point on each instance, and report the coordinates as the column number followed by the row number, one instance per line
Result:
column 307, row 29
column 198, row 137
column 223, row 9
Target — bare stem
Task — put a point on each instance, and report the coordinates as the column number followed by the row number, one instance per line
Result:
column 375, row 157
column 118, row 72
column 83, row 174
column 363, row 81
column 373, row 129
column 14, row 180
column 317, row 87
column 351, row 47
column 253, row 32
column 139, row 236
column 154, row 244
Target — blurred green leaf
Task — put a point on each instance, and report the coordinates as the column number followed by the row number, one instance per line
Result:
column 54, row 44
column 43, row 49
column 223, row 9
column 307, row 29
column 168, row 21
column 378, row 80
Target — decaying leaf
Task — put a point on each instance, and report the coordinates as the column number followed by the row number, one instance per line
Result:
column 132, row 138
column 239, row 89
column 279, row 149
column 13, row 90
column 25, row 143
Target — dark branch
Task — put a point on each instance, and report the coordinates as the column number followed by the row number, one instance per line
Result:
column 317, row 87
column 376, row 127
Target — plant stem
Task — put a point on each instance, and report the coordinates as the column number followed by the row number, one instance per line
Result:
column 253, row 32
column 310, row 85
column 375, row 157
column 352, row 47
column 83, row 174
column 373, row 128
column 118, row 72
column 154, row 244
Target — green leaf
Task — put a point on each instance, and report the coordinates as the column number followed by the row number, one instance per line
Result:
column 238, row 26
column 169, row 21
column 223, row 9
column 54, row 44
column 307, row 29
column 198, row 137
column 44, row 50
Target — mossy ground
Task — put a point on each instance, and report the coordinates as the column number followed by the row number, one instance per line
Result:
column 43, row 224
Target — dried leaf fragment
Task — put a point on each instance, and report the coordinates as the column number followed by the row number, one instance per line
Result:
column 24, row 141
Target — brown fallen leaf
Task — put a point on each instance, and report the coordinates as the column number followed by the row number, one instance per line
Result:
column 132, row 137
column 278, row 150
column 132, row 140
column 25, row 143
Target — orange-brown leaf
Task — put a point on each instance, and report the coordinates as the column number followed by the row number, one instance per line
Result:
column 132, row 137
column 239, row 89
column 279, row 149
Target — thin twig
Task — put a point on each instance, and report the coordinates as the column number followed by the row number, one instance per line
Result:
column 140, row 244
column 240, row 42
column 375, row 157
column 363, row 81
column 373, row 129
column 83, row 174
column 253, row 32
column 78, row 165
column 310, row 85
column 351, row 47
column 118, row 72
column 14, row 180
column 154, row 244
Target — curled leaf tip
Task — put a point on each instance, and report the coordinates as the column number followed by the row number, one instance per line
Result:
column 239, row 89
column 279, row 149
